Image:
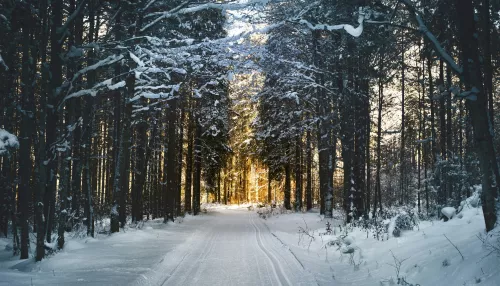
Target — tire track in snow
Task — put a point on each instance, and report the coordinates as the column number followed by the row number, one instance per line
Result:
column 276, row 266
column 194, row 267
column 202, row 262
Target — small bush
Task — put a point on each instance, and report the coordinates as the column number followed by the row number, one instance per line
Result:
column 396, row 232
column 406, row 221
column 446, row 262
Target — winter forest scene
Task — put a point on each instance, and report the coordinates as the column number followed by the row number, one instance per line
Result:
column 250, row 142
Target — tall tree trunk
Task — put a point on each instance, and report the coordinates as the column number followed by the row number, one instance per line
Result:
column 298, row 175
column 197, row 168
column 88, row 130
column 378, row 189
column 288, row 187
column 26, row 133
column 368, row 157
column 189, row 160
column 449, row 136
column 308, row 171
column 172, row 159
column 141, row 166
column 42, row 154
column 473, row 80
column 122, row 157
column 269, row 181
column 488, row 67
column 178, row 209
column 322, row 130
column 442, row 141
column 402, row 150
column 125, row 165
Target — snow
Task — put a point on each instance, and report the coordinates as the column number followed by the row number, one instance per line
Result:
column 118, row 259
column 180, row 10
column 360, row 259
column 107, row 61
column 7, row 141
column 136, row 60
column 449, row 212
column 117, row 85
column 353, row 31
column 232, row 245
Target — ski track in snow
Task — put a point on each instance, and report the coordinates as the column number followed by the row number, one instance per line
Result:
column 277, row 270
column 232, row 247
column 229, row 246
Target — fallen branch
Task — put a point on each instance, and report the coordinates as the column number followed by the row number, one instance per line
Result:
column 455, row 247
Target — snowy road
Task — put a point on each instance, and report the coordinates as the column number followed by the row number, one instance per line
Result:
column 222, row 247
column 233, row 247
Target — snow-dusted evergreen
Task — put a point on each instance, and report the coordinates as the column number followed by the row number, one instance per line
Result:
column 196, row 137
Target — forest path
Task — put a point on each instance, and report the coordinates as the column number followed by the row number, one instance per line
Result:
column 232, row 247
column 225, row 246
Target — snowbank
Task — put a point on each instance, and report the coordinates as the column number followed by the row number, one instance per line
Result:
column 449, row 212
column 421, row 256
column 117, row 259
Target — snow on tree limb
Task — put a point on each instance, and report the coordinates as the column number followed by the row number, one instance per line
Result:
column 2, row 62
column 149, row 4
column 107, row 84
column 136, row 59
column 182, row 11
column 107, row 61
column 355, row 32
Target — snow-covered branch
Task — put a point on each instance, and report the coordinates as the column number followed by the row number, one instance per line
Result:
column 107, row 84
column 177, row 12
column 2, row 62
column 437, row 46
column 107, row 61
column 353, row 31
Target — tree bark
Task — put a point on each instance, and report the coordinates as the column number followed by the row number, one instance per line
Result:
column 189, row 161
column 197, row 168
column 473, row 80
column 172, row 159
column 26, row 133
column 308, row 172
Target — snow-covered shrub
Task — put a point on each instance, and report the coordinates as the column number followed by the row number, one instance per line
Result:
column 8, row 142
column 264, row 212
column 271, row 210
column 448, row 212
column 406, row 221
column 400, row 219
column 381, row 229
column 473, row 201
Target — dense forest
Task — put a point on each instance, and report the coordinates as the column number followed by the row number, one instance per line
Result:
column 135, row 110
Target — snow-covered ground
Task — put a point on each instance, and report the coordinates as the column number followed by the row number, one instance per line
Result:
column 234, row 246
column 426, row 255
column 118, row 259
column 224, row 246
